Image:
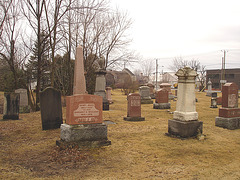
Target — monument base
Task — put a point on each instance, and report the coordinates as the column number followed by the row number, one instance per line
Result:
column 84, row 135
column 146, row 101
column 171, row 96
column 209, row 94
column 228, row 123
column 161, row 106
column 134, row 118
column 47, row 125
column 24, row 109
column 152, row 96
column 11, row 117
column 184, row 129
column 229, row 112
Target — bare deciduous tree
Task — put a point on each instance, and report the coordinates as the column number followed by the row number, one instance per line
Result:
column 33, row 11
column 9, row 42
column 4, row 7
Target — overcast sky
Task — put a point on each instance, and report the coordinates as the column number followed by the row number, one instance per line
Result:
column 199, row 29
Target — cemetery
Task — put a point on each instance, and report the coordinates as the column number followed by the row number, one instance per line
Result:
column 138, row 149
column 78, row 101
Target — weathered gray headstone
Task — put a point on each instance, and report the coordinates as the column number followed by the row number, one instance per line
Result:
column 51, row 108
column 100, row 87
column 23, row 108
column 11, row 106
column 209, row 91
column 144, row 92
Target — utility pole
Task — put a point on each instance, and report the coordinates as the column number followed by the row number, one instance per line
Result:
column 223, row 80
column 156, row 73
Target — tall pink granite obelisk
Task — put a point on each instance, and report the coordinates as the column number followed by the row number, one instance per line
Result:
column 79, row 85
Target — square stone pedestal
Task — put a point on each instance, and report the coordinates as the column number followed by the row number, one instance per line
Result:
column 228, row 123
column 161, row 106
column 146, row 101
column 184, row 129
column 134, row 118
column 84, row 135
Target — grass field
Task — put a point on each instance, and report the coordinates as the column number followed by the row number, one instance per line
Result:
column 139, row 150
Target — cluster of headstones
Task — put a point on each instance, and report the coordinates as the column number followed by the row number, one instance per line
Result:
column 84, row 123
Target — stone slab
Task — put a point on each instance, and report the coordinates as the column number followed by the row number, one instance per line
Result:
column 184, row 129
column 134, row 118
column 228, row 123
column 161, row 106
column 229, row 112
column 83, row 132
column 146, row 101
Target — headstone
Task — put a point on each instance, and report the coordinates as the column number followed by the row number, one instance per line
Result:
column 23, row 107
column 145, row 95
column 214, row 94
column 213, row 102
column 51, row 108
column 151, row 90
column 84, row 126
column 109, row 94
column 185, row 119
column 229, row 114
column 84, row 109
column 134, row 108
column 162, row 100
column 209, row 85
column 11, row 106
column 100, row 88
column 167, row 86
column 219, row 100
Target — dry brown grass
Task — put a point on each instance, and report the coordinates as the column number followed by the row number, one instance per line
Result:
column 139, row 150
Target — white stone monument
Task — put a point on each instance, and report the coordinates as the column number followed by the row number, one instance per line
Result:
column 185, row 119
column 209, row 91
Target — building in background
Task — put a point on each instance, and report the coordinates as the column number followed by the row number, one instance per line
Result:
column 231, row 75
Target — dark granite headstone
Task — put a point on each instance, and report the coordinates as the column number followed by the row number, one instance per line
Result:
column 51, row 108
column 214, row 94
column 11, row 106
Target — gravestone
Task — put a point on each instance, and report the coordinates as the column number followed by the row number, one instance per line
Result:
column 209, row 85
column 229, row 114
column 51, row 108
column 100, row 88
column 134, row 108
column 167, row 86
column 145, row 95
column 185, row 119
column 213, row 102
column 11, row 106
column 84, row 126
column 23, row 107
column 214, row 94
column 219, row 100
column 109, row 94
column 151, row 90
column 162, row 100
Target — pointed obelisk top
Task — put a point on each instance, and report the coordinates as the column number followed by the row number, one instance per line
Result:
column 79, row 86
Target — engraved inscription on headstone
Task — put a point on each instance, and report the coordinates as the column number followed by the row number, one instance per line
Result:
column 84, row 109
